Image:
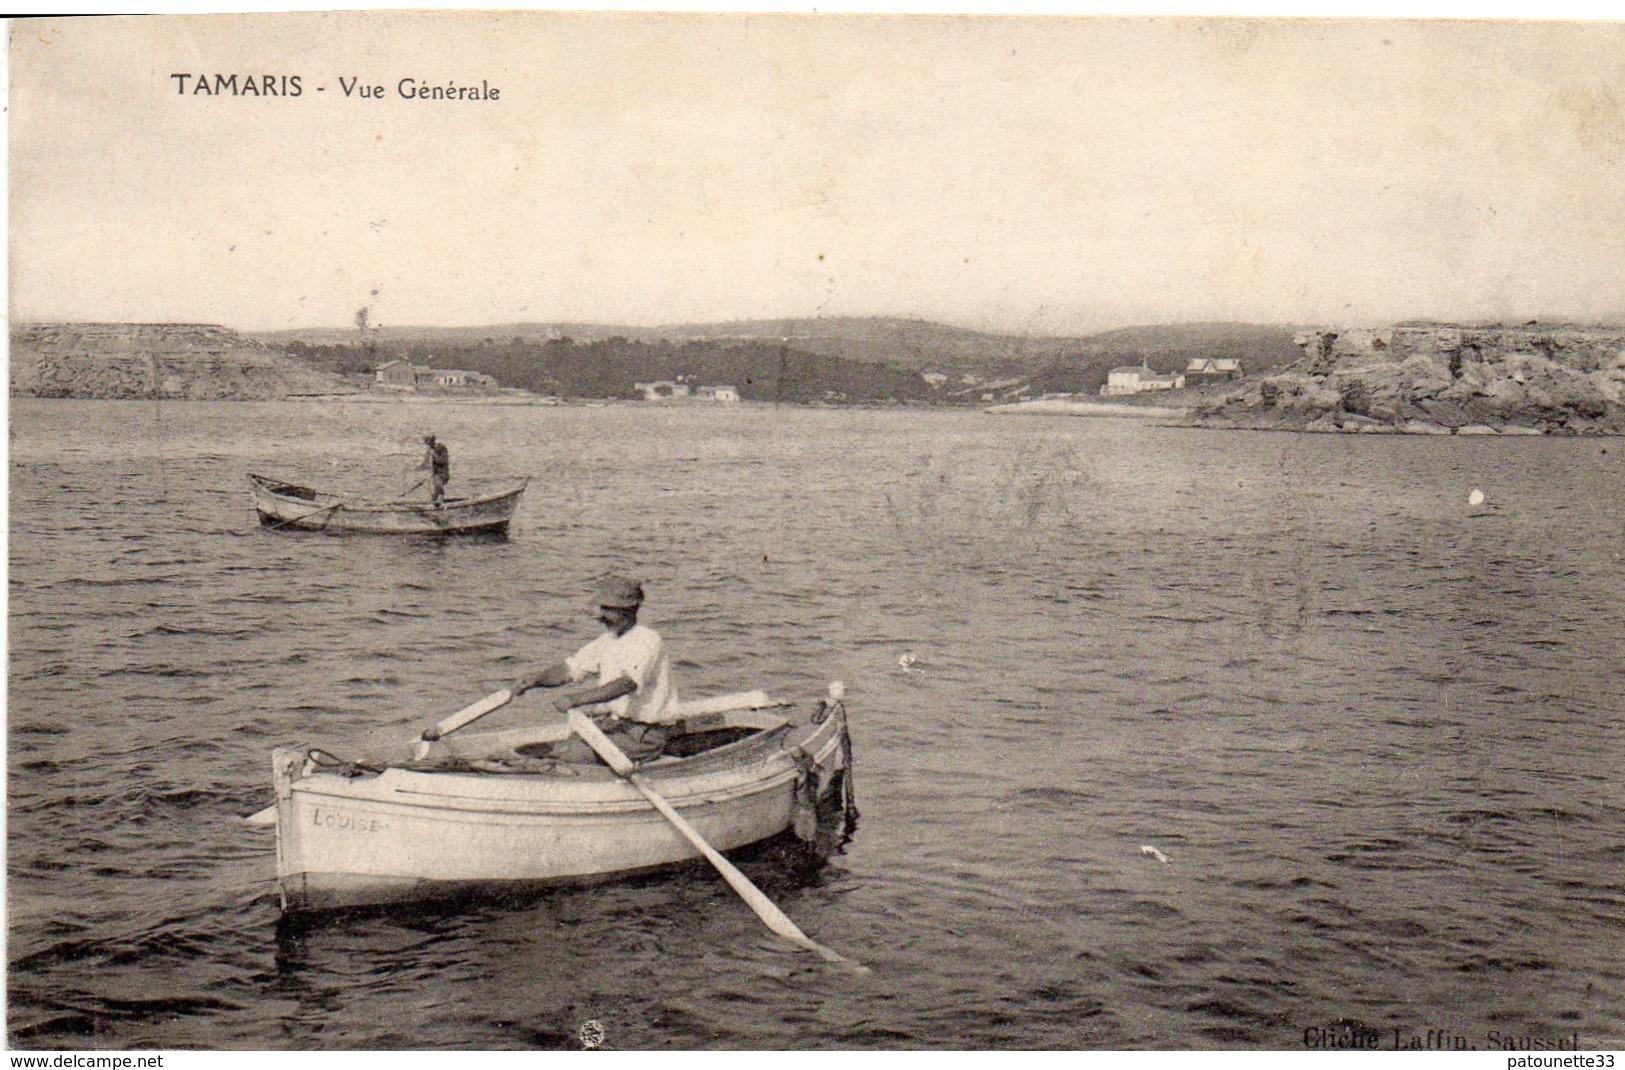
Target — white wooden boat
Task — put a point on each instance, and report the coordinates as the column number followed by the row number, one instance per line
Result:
column 488, row 812
column 288, row 505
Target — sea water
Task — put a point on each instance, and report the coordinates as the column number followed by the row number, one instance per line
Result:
column 1164, row 738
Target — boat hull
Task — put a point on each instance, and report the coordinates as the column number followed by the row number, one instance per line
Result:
column 407, row 835
column 286, row 506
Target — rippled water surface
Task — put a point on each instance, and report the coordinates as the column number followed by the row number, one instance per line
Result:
column 1374, row 731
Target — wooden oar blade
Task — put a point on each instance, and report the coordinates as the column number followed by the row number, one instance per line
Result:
column 771, row 916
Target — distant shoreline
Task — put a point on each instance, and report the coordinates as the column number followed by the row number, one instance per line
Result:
column 1080, row 407
column 367, row 398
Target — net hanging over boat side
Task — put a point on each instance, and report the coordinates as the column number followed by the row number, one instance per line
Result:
column 824, row 808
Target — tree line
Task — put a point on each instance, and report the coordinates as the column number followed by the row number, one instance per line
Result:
column 760, row 371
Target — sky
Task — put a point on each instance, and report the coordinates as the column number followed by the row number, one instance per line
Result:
column 1040, row 175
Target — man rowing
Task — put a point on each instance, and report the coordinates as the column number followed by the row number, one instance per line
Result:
column 633, row 699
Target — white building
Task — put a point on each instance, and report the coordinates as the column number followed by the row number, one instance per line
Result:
column 662, row 390
column 404, row 375
column 1137, row 379
column 1213, row 368
column 460, row 377
column 671, row 390
column 400, row 374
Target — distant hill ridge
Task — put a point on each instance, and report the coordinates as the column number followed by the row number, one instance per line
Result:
column 1556, row 378
column 812, row 359
column 915, row 345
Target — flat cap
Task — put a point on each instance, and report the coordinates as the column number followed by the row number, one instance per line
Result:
column 618, row 592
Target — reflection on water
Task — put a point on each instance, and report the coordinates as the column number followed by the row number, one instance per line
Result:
column 1372, row 727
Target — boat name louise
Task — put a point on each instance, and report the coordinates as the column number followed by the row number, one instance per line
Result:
column 338, row 819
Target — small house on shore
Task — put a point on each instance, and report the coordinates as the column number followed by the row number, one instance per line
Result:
column 1212, row 369
column 458, row 377
column 404, row 375
column 1139, row 378
column 662, row 390
column 671, row 390
column 399, row 375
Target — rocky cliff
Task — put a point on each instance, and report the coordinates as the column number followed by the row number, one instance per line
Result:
column 162, row 360
column 1441, row 380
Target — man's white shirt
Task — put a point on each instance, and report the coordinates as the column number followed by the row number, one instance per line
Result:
column 640, row 656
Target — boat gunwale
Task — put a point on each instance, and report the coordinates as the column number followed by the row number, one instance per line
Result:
column 525, row 811
column 684, row 782
column 324, row 499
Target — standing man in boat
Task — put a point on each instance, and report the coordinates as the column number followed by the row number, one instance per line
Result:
column 633, row 699
column 438, row 461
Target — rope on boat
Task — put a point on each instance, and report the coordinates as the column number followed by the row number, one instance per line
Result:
column 824, row 808
column 496, row 764
column 804, row 801
column 329, row 763
column 849, row 792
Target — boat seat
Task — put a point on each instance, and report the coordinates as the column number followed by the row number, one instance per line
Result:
column 705, row 725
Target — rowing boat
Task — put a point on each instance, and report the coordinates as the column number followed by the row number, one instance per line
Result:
column 288, row 505
column 492, row 812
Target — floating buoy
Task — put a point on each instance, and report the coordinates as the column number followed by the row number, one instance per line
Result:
column 1476, row 497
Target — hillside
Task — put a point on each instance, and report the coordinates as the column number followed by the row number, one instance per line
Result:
column 155, row 360
column 1168, row 347
column 912, row 345
column 965, row 360
column 811, row 360
column 613, row 368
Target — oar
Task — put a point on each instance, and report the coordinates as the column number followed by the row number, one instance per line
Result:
column 336, row 504
column 467, row 715
column 313, row 512
column 342, row 501
column 771, row 916
column 494, row 701
column 409, row 490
